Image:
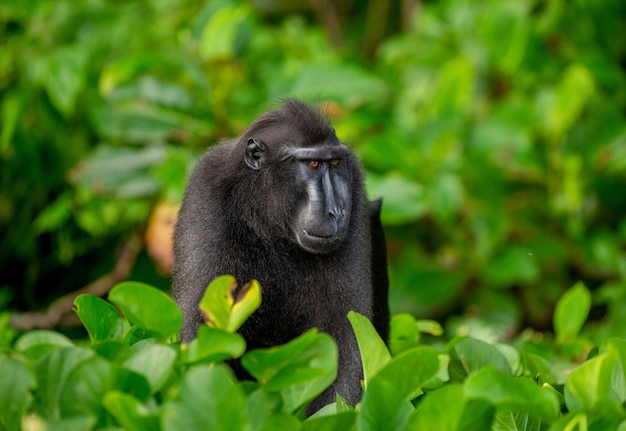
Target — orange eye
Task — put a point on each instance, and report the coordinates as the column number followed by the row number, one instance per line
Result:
column 334, row 162
column 314, row 164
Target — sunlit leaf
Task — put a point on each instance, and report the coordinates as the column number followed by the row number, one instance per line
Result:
column 374, row 353
column 100, row 318
column 147, row 308
column 571, row 312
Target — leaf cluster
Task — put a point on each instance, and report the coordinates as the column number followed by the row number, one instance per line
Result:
column 133, row 375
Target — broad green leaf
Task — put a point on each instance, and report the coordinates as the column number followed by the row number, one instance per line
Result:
column 470, row 355
column 507, row 392
column 153, row 361
column 130, row 413
column 300, row 369
column 52, row 372
column 85, row 387
column 213, row 345
column 210, row 399
column 571, row 313
column 15, row 396
column 441, row 409
column 385, row 403
column 35, row 344
column 617, row 346
column 590, row 386
column 147, row 308
column 374, row 353
column 221, row 309
column 99, row 318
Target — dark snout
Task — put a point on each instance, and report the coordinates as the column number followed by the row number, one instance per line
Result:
column 325, row 221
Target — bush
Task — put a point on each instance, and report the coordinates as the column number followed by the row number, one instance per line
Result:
column 132, row 374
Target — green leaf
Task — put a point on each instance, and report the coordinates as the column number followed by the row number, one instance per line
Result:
column 571, row 313
column 441, row 409
column 222, row 310
column 15, row 396
column 210, row 399
column 470, row 355
column 130, row 413
column 132, row 383
column 300, row 369
column 213, row 345
column 403, row 333
column 85, row 387
column 386, row 403
column 617, row 347
column 147, row 308
column 99, row 318
column 153, row 361
column 590, row 386
column 247, row 301
column 52, row 372
column 35, row 344
column 506, row 392
column 374, row 353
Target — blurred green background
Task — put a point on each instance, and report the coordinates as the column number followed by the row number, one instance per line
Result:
column 494, row 130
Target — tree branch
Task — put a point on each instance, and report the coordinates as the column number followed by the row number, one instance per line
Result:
column 60, row 311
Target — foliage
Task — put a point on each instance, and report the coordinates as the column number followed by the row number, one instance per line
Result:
column 133, row 375
column 494, row 131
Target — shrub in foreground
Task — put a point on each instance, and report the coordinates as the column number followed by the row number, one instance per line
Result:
column 133, row 375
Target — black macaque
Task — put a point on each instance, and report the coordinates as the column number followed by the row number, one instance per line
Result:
column 285, row 204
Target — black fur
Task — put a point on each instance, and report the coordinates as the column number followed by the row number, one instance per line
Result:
column 236, row 220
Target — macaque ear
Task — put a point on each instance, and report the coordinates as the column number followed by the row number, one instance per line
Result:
column 255, row 153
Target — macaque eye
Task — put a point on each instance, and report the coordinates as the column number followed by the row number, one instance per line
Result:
column 334, row 162
column 314, row 164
